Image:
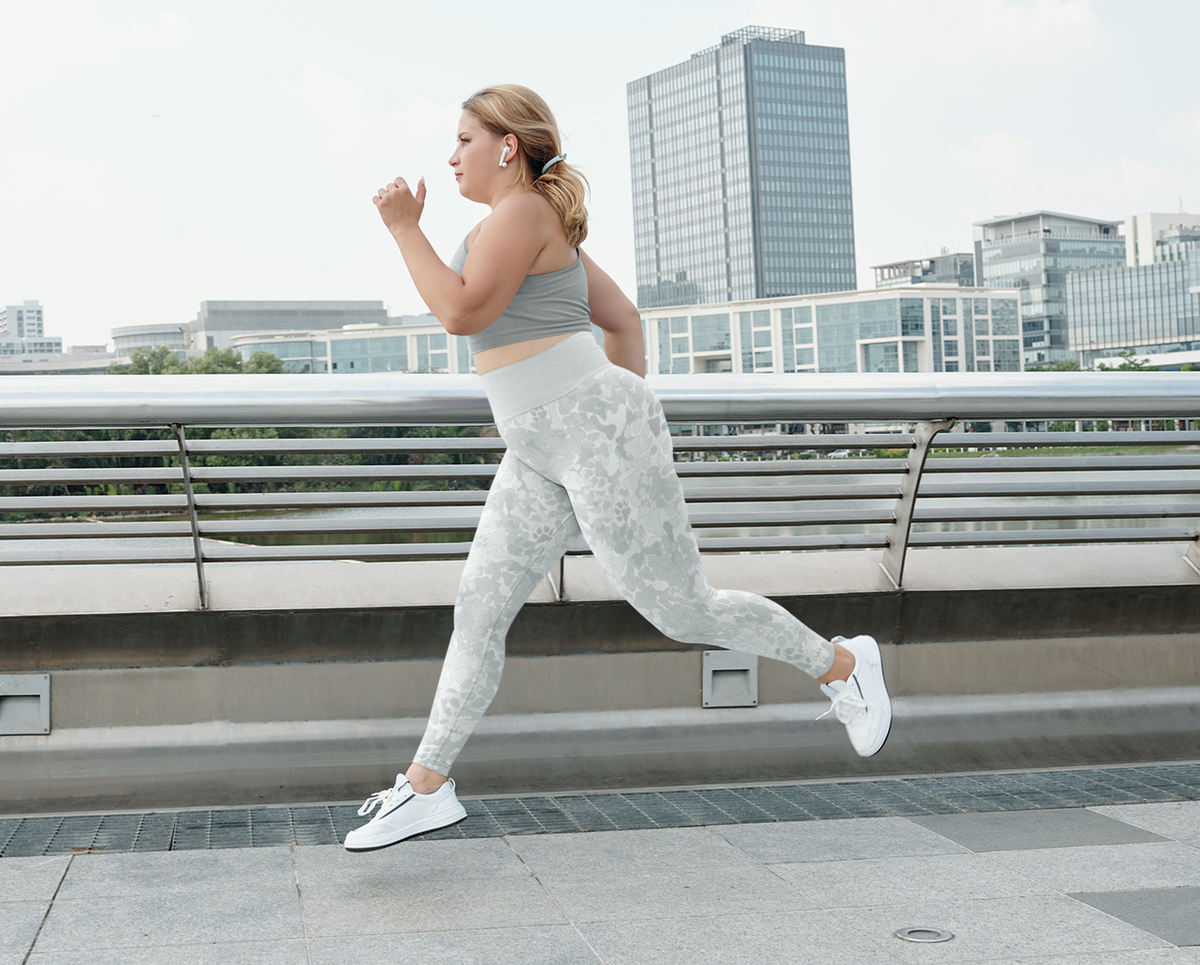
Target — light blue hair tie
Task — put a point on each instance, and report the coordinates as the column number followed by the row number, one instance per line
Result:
column 553, row 161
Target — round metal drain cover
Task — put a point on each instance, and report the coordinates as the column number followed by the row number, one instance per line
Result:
column 924, row 935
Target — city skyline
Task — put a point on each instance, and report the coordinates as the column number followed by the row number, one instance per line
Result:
column 157, row 159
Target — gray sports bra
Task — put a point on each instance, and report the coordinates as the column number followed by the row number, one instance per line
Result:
column 555, row 303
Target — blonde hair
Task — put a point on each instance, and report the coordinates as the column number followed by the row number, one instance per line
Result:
column 512, row 109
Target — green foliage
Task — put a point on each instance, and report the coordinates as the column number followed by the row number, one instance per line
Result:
column 1070, row 365
column 161, row 360
column 1062, row 426
column 1130, row 363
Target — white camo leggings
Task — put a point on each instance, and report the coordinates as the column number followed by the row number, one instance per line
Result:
column 594, row 460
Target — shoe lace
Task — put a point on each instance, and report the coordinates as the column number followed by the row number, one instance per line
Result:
column 848, row 707
column 375, row 800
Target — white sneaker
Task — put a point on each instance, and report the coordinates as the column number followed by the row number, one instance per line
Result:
column 403, row 813
column 862, row 702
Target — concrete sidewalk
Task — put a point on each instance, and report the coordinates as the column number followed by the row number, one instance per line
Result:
column 1108, row 885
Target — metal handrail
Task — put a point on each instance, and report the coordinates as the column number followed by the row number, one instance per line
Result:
column 97, row 401
column 811, row 481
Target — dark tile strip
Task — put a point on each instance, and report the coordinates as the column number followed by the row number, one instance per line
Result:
column 607, row 811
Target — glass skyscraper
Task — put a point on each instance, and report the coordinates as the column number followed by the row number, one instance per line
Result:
column 741, row 173
column 1034, row 252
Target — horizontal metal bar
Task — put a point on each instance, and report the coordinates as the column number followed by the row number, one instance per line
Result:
column 1082, row 487
column 1020, row 537
column 753, row 443
column 946, row 464
column 340, row 500
column 984, row 514
column 400, row 399
column 93, row 504
column 86, row 477
column 1023, row 440
column 229, row 552
column 89, row 449
column 117, row 554
column 218, row 528
column 123, row 528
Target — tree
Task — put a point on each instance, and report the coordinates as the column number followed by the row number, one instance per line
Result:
column 1069, row 365
column 162, row 360
column 1130, row 363
column 263, row 363
column 159, row 360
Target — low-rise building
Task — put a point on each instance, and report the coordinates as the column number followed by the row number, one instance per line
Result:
column 957, row 268
column 929, row 328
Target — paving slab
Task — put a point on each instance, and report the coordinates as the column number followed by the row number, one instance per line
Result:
column 1001, row 928
column 32, row 879
column 626, row 852
column 1152, row 956
column 142, row 921
column 897, row 881
column 287, row 952
column 19, row 923
column 380, row 907
column 794, row 938
column 332, row 867
column 261, row 871
column 1114, row 867
column 1170, row 913
column 1173, row 819
column 549, row 945
column 835, row 840
column 733, row 890
column 1020, row 830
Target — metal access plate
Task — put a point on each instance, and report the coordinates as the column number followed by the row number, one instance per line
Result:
column 24, row 703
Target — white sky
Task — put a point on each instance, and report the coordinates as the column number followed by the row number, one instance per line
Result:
column 152, row 157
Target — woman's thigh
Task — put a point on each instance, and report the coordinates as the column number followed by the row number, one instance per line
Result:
column 527, row 523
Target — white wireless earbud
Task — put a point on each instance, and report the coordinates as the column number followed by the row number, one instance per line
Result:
column 504, row 157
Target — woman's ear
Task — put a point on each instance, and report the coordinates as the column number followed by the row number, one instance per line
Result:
column 508, row 149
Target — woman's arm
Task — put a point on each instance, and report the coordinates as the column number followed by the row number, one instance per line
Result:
column 617, row 317
column 502, row 255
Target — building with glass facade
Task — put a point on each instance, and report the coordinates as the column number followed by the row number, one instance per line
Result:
column 946, row 269
column 1033, row 252
column 1152, row 309
column 1155, row 237
column 740, row 161
column 934, row 328
column 412, row 343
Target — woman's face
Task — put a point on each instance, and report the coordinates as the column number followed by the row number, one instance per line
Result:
column 476, row 159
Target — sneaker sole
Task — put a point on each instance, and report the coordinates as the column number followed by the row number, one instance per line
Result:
column 875, row 665
column 423, row 827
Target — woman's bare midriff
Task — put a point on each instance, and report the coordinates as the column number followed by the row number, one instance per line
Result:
column 496, row 358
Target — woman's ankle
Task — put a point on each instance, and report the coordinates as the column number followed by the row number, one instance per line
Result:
column 423, row 780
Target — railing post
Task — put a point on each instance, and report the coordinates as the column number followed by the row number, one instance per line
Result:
column 1193, row 552
column 558, row 585
column 197, row 546
column 897, row 548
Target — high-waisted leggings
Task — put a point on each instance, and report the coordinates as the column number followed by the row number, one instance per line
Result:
column 588, row 452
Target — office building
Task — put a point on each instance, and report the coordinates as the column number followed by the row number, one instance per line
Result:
column 946, row 269
column 408, row 343
column 1152, row 309
column 218, row 322
column 1034, row 252
column 935, row 328
column 23, row 331
column 740, row 161
column 1159, row 237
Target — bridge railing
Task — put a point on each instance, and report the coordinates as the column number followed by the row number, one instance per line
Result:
column 182, row 496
